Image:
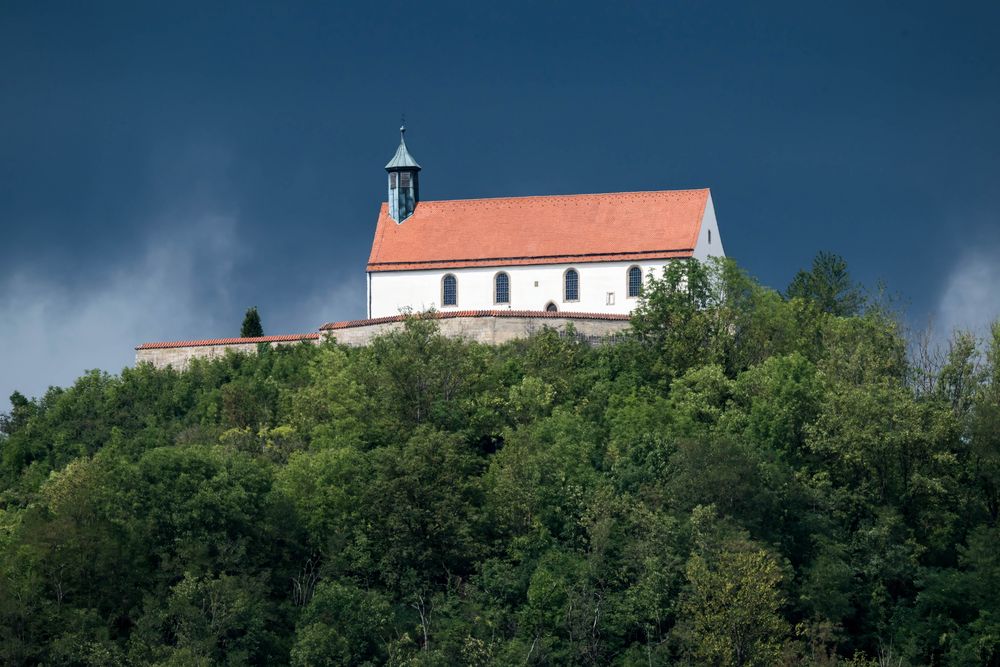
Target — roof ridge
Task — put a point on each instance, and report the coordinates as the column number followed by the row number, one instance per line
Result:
column 561, row 196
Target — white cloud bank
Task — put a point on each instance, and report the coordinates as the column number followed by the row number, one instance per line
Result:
column 970, row 299
column 50, row 333
column 177, row 289
column 331, row 302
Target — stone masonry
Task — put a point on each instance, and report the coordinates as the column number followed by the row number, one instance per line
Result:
column 492, row 327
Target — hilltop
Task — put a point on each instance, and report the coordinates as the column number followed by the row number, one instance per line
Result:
column 748, row 477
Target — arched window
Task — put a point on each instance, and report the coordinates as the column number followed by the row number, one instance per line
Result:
column 501, row 288
column 551, row 307
column 571, row 285
column 634, row 280
column 449, row 291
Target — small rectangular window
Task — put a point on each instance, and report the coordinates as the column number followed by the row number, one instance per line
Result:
column 392, row 180
column 611, row 298
column 404, row 179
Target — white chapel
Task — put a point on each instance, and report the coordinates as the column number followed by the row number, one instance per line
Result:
column 562, row 253
column 494, row 270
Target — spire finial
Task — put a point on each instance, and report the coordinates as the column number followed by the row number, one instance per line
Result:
column 402, row 126
column 402, row 159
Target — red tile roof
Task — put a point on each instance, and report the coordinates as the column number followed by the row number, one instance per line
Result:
column 624, row 226
column 448, row 314
column 287, row 338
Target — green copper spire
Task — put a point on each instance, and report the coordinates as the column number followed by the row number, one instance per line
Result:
column 402, row 159
column 404, row 187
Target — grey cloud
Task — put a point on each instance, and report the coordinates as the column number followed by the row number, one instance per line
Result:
column 970, row 299
column 52, row 332
column 183, row 285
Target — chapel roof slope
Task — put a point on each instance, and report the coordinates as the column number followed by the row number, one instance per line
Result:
column 621, row 226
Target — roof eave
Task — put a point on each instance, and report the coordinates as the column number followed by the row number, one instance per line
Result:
column 486, row 262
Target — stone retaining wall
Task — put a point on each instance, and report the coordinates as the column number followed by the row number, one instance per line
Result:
column 179, row 355
column 485, row 327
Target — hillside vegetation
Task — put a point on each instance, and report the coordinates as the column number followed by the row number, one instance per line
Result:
column 750, row 479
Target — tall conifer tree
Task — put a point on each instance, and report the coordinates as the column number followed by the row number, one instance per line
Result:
column 251, row 324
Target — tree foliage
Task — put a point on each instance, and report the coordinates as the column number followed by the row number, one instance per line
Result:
column 828, row 284
column 251, row 327
column 732, row 609
column 747, row 479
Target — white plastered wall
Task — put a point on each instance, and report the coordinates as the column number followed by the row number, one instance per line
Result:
column 531, row 288
column 709, row 243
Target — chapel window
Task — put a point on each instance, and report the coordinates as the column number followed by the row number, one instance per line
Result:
column 404, row 179
column 449, row 291
column 501, row 288
column 392, row 180
column 571, row 285
column 634, row 281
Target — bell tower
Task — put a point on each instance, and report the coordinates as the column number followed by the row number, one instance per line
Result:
column 404, row 182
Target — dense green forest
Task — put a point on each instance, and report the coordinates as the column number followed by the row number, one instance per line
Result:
column 750, row 478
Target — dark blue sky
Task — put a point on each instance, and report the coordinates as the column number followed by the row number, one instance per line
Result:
column 165, row 165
